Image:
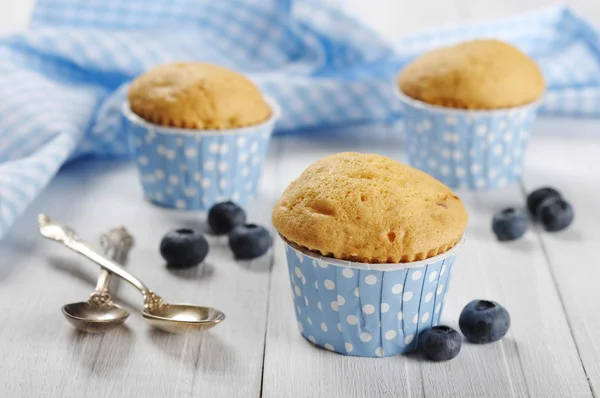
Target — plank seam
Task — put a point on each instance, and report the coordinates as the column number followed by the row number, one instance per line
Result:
column 560, row 297
column 262, row 373
column 277, row 151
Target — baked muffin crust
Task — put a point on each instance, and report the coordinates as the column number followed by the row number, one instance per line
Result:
column 196, row 95
column 369, row 208
column 478, row 74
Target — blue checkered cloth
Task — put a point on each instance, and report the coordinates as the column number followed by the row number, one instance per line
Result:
column 62, row 82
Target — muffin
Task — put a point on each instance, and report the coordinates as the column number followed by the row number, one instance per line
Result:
column 469, row 112
column 370, row 209
column 480, row 74
column 199, row 96
column 370, row 245
column 201, row 134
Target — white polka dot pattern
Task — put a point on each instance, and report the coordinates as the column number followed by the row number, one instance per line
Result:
column 365, row 312
column 478, row 150
column 193, row 174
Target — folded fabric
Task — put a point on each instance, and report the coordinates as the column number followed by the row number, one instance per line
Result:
column 63, row 81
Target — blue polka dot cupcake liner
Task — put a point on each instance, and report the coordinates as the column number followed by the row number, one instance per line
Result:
column 192, row 169
column 367, row 310
column 474, row 149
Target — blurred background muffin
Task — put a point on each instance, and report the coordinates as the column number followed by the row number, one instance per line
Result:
column 469, row 112
column 479, row 74
column 201, row 134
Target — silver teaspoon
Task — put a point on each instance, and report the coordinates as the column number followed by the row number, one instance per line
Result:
column 172, row 318
column 99, row 314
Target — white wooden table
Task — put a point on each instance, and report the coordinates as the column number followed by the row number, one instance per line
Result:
column 547, row 281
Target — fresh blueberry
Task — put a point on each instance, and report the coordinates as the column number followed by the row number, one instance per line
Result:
column 536, row 197
column 183, row 248
column 222, row 217
column 440, row 343
column 483, row 321
column 249, row 241
column 509, row 224
column 555, row 214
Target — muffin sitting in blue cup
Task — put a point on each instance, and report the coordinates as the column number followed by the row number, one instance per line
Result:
column 201, row 134
column 370, row 246
column 469, row 111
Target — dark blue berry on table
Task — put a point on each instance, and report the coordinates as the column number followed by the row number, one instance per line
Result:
column 183, row 248
column 535, row 198
column 440, row 343
column 555, row 214
column 510, row 224
column 483, row 321
column 222, row 217
column 249, row 241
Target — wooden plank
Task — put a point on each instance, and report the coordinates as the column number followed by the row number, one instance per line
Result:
column 516, row 275
column 42, row 355
column 571, row 165
column 294, row 368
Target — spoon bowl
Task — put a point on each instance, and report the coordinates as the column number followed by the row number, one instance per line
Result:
column 91, row 318
column 181, row 318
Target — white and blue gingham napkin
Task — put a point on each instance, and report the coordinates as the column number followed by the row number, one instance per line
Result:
column 62, row 82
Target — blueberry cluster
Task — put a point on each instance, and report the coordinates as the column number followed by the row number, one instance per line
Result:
column 184, row 248
column 481, row 321
column 546, row 206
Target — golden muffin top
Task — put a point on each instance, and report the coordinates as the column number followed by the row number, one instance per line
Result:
column 478, row 74
column 196, row 95
column 371, row 209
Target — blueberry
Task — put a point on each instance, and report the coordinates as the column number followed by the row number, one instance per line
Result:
column 183, row 248
column 535, row 198
column 509, row 224
column 483, row 321
column 440, row 343
column 555, row 214
column 222, row 217
column 249, row 241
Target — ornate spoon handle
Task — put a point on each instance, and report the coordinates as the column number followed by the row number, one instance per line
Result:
column 57, row 231
column 116, row 243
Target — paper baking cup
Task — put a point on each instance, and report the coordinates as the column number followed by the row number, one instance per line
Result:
column 367, row 310
column 194, row 169
column 467, row 148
